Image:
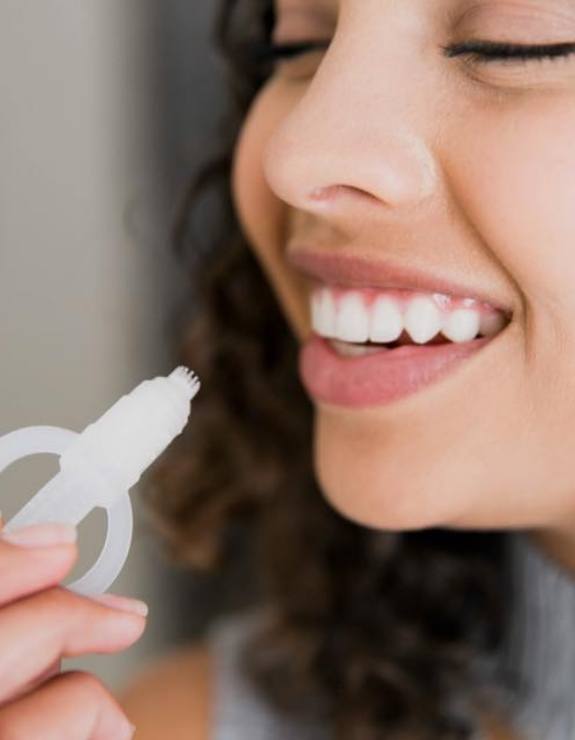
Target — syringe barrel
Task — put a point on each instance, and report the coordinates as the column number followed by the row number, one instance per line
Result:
column 132, row 433
column 65, row 498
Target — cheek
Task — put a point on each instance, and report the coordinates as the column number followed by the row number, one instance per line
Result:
column 264, row 218
column 516, row 175
column 261, row 214
column 515, row 172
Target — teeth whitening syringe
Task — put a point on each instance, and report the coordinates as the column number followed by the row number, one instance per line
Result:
column 99, row 466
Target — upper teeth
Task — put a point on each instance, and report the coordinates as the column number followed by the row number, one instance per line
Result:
column 359, row 316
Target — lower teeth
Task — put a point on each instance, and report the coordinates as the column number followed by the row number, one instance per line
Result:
column 356, row 350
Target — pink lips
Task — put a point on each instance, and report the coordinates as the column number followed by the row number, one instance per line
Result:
column 379, row 378
column 353, row 270
column 390, row 374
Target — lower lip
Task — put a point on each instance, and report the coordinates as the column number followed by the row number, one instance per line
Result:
column 379, row 378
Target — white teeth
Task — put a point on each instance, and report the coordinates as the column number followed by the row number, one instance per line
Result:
column 316, row 317
column 491, row 324
column 355, row 350
column 352, row 319
column 461, row 325
column 422, row 319
column 323, row 313
column 349, row 319
column 386, row 323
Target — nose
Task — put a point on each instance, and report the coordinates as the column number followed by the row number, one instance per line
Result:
column 352, row 144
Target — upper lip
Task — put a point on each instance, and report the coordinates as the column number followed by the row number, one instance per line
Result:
column 359, row 271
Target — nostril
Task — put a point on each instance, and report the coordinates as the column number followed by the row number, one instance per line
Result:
column 329, row 192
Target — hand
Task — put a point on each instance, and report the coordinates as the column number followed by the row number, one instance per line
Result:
column 42, row 622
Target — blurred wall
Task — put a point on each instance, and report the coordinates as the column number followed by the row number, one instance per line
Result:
column 98, row 99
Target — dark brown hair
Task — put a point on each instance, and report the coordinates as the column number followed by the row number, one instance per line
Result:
column 373, row 632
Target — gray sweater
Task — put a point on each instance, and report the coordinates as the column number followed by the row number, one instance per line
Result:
column 538, row 655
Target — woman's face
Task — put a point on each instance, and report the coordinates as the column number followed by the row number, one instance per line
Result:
column 464, row 169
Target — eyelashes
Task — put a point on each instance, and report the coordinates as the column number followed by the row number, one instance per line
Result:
column 263, row 52
column 482, row 52
column 492, row 51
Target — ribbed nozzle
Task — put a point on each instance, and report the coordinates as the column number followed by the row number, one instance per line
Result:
column 187, row 380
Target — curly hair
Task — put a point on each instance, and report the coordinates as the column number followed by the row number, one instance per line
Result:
column 372, row 632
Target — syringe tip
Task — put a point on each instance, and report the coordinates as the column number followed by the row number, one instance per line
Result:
column 187, row 379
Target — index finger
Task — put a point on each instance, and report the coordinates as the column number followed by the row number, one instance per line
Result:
column 27, row 569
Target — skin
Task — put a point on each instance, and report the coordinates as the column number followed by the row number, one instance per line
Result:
column 462, row 168
column 447, row 164
column 41, row 623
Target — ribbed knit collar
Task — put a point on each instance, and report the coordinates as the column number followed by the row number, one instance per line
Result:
column 538, row 653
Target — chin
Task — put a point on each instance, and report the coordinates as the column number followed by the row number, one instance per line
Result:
column 413, row 477
column 379, row 498
column 390, row 492
column 374, row 479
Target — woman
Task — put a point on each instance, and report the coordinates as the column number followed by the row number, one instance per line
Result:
column 402, row 174
column 387, row 136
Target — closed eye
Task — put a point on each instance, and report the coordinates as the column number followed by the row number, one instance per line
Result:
column 264, row 51
column 491, row 51
column 482, row 52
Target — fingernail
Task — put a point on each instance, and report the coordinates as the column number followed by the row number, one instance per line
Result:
column 42, row 535
column 123, row 603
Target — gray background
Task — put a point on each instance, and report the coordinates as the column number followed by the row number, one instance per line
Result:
column 106, row 107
